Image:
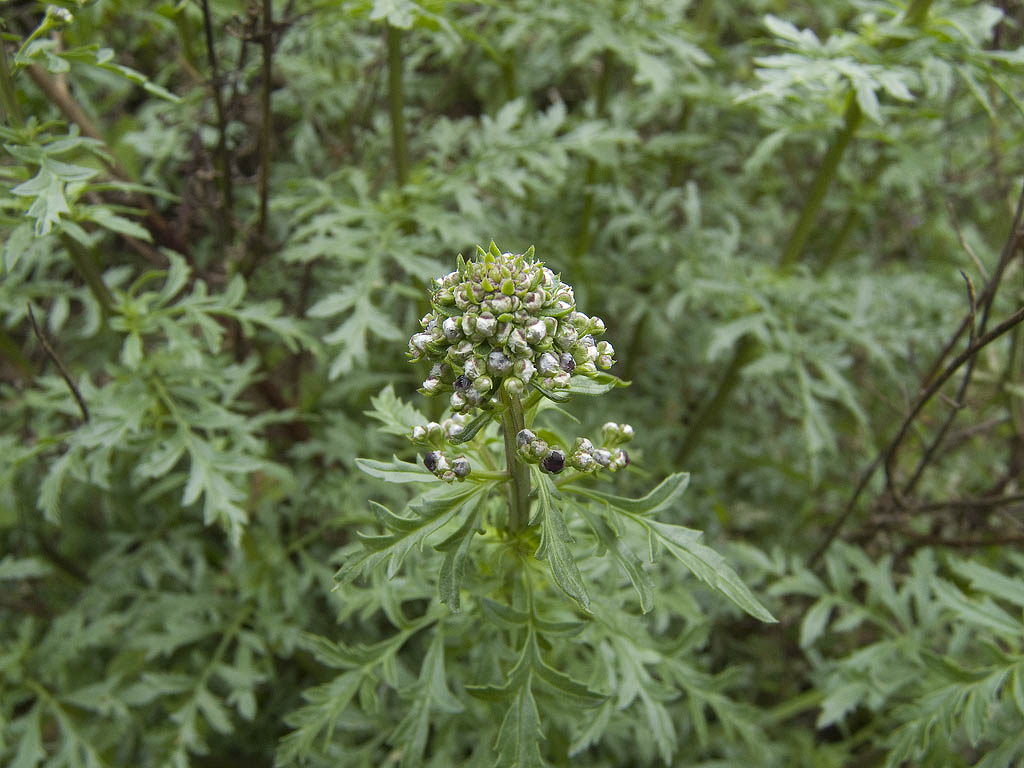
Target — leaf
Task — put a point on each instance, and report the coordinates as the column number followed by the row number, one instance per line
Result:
column 396, row 471
column 815, row 621
column 430, row 693
column 395, row 415
column 707, row 565
column 518, row 743
column 456, row 548
column 664, row 496
column 627, row 560
column 30, row 748
column 554, row 544
column 595, row 385
column 432, row 514
column 470, row 430
column 13, row 568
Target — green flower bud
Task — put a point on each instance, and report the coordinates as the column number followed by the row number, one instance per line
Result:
column 513, row 386
column 483, row 384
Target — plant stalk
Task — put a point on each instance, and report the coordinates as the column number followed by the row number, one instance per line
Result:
column 266, row 128
column 8, row 94
column 86, row 267
column 396, row 105
column 512, row 421
column 223, row 159
column 583, row 238
column 853, row 117
column 713, row 408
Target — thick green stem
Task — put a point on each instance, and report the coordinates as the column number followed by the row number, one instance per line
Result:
column 396, row 104
column 87, row 269
column 512, row 421
column 266, row 127
column 583, row 239
column 713, row 408
column 853, row 117
column 8, row 96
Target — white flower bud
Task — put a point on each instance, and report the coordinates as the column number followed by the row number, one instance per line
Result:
column 458, row 401
column 499, row 364
column 517, row 342
column 582, row 462
column 547, row 364
column 566, row 336
column 461, row 467
column 471, row 369
column 604, row 362
column 583, row 445
column 431, row 385
column 602, row 457
column 536, row 331
column 524, row 437
column 450, row 329
column 524, row 370
column 419, row 434
column 486, row 324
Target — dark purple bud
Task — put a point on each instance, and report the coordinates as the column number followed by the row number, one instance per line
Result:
column 462, row 382
column 625, row 458
column 430, row 459
column 567, row 363
column 554, row 462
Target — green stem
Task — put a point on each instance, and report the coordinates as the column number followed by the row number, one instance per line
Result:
column 266, row 127
column 8, row 95
column 396, row 104
column 853, row 117
column 10, row 350
column 90, row 274
column 713, row 408
column 583, row 239
column 512, row 421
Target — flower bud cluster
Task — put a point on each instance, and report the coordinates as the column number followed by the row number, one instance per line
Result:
column 535, row 450
column 436, row 435
column 445, row 467
column 505, row 320
column 584, row 457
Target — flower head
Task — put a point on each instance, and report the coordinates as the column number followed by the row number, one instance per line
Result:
column 504, row 320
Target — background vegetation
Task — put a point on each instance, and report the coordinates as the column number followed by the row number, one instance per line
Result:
column 801, row 224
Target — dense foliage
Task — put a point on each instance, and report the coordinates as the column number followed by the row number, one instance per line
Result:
column 233, row 532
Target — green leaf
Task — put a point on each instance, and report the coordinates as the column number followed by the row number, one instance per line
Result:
column 664, row 496
column 595, row 385
column 815, row 621
column 396, row 471
column 554, row 543
column 456, row 548
column 707, row 565
column 431, row 514
column 30, row 748
column 13, row 568
column 470, row 430
column 396, row 416
column 518, row 743
column 627, row 560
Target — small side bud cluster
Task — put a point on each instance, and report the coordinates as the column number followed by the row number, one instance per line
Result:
column 436, row 435
column 584, row 457
column 505, row 320
column 447, row 468
column 535, row 450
